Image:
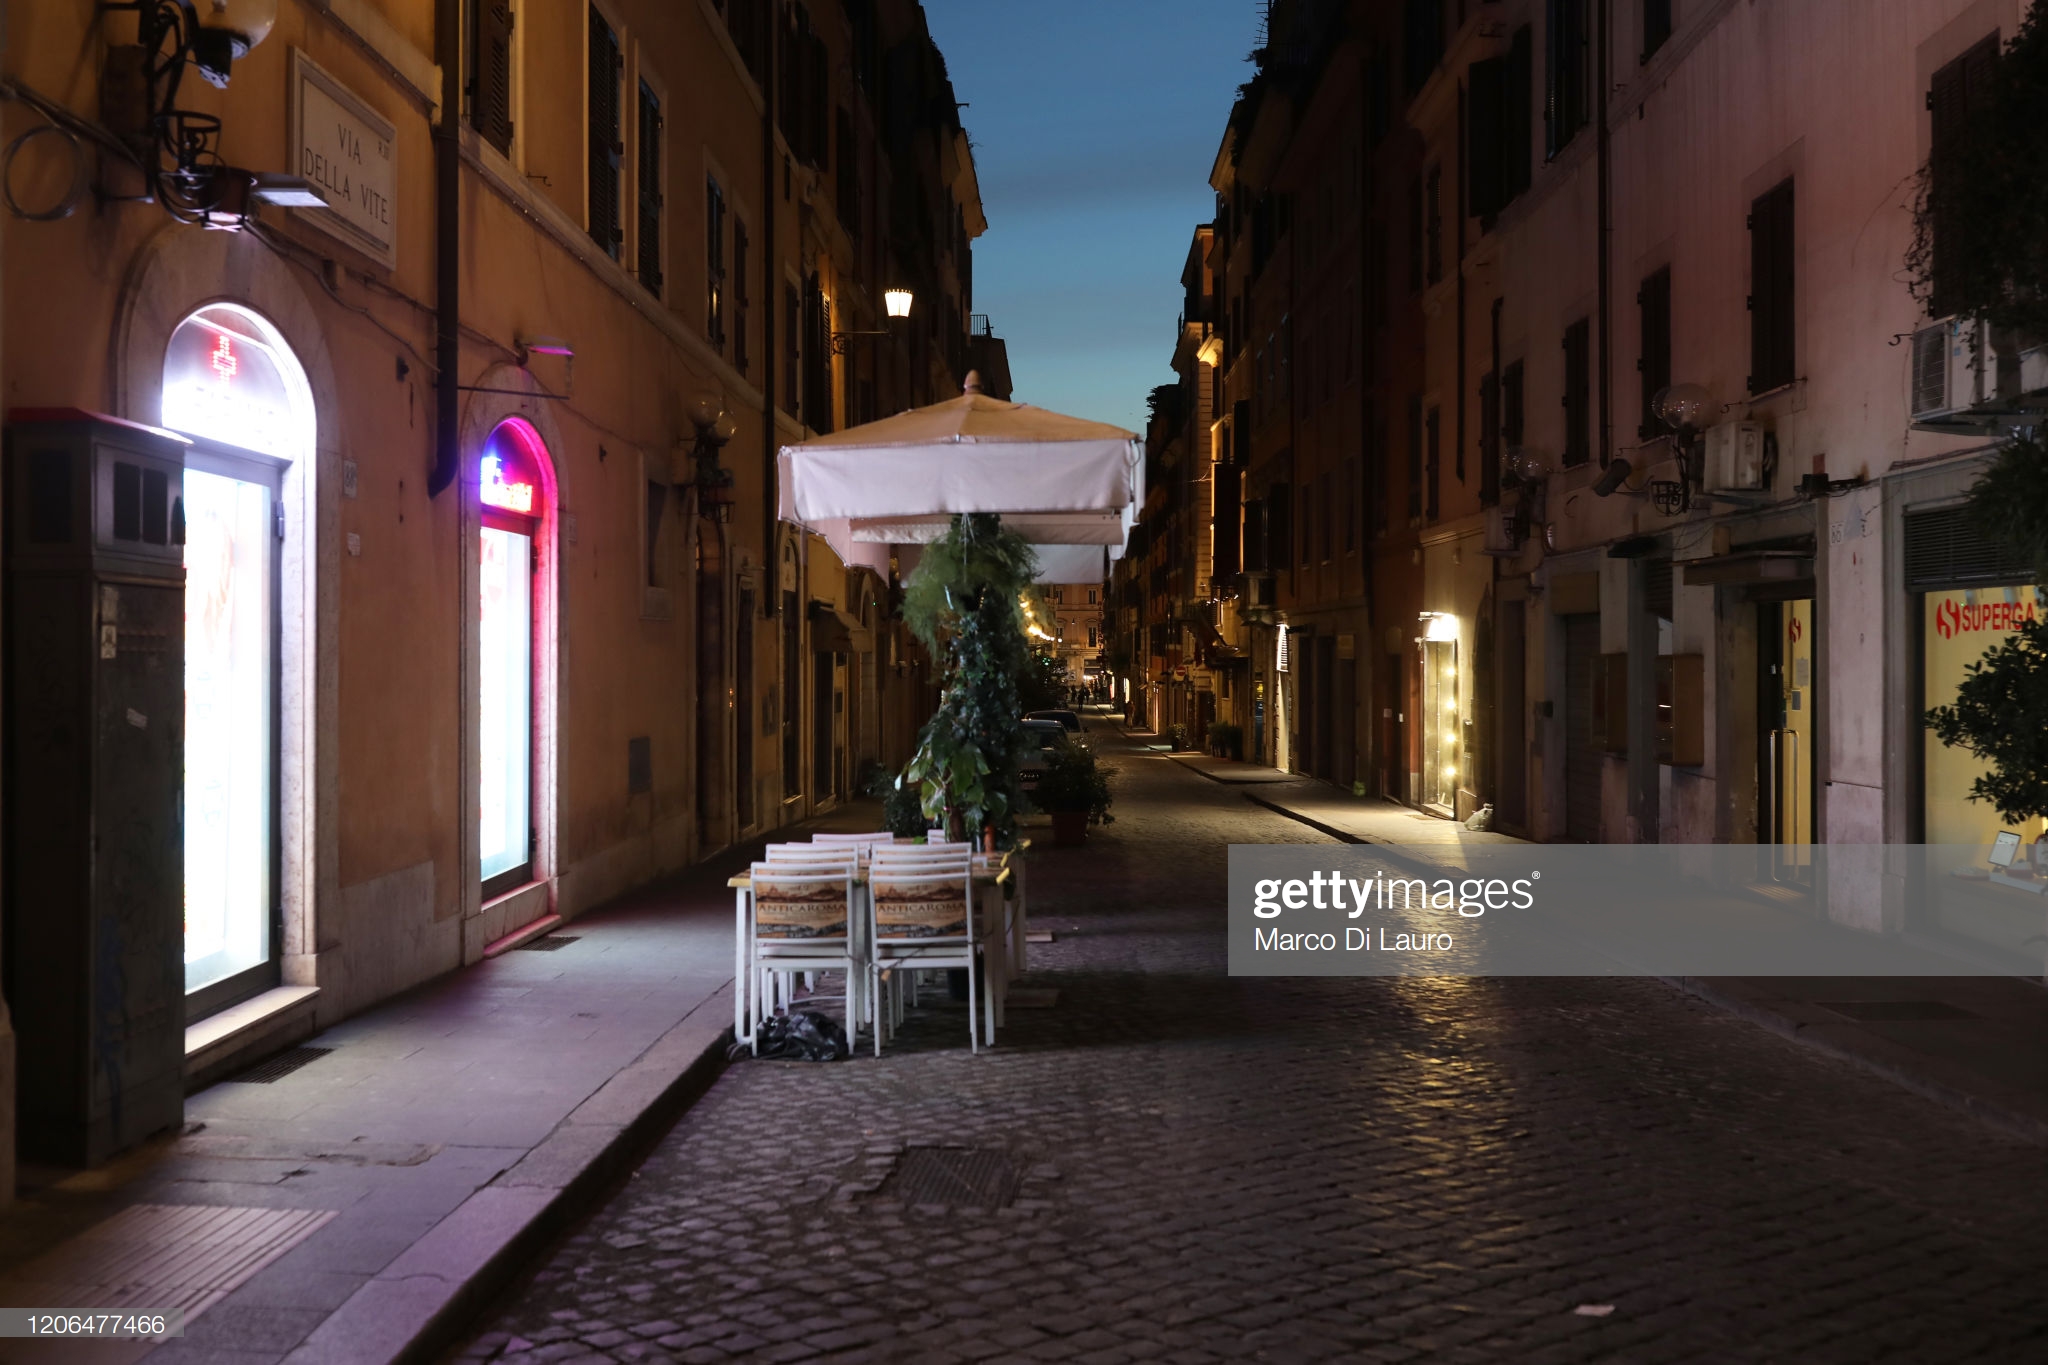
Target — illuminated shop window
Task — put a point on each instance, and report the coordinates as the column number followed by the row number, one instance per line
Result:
column 232, row 385
column 509, row 491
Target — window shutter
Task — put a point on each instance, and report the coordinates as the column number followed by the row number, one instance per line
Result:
column 490, row 109
column 1518, row 98
column 648, row 229
column 606, row 151
column 1771, row 286
column 1944, row 549
column 1224, row 545
column 1486, row 135
column 1956, row 91
column 1656, row 25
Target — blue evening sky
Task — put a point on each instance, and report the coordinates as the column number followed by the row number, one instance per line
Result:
column 1094, row 124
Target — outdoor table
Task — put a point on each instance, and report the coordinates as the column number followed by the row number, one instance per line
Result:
column 995, row 871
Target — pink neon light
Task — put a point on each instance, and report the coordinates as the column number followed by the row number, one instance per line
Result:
column 224, row 362
column 495, row 492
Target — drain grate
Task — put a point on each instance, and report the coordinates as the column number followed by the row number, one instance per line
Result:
column 546, row 944
column 1894, row 1011
column 962, row 1177
column 283, row 1064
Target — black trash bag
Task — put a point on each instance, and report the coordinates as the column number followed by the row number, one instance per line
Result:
column 804, row 1037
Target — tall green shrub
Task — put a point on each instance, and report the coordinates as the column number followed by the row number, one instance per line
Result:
column 962, row 602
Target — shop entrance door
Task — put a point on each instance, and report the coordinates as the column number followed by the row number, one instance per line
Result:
column 1785, row 763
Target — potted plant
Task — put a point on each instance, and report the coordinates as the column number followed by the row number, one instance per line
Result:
column 1226, row 740
column 1074, row 790
column 1177, row 736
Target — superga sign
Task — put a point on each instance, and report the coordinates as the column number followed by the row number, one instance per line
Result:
column 347, row 151
column 1953, row 617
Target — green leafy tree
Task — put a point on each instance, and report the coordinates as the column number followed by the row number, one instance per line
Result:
column 962, row 602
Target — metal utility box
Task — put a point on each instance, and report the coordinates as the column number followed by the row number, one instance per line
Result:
column 1681, row 710
column 94, row 637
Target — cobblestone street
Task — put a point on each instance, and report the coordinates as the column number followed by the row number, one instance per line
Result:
column 1197, row 1168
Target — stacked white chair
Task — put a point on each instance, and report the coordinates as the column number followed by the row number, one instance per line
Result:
column 921, row 917
column 804, row 921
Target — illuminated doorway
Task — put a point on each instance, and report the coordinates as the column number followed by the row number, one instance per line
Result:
column 511, row 492
column 1785, row 701
column 1439, row 719
column 232, row 385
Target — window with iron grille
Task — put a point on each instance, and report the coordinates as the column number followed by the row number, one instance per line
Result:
column 1578, row 393
column 714, row 262
column 1656, row 26
column 606, row 152
column 647, row 230
column 1771, row 363
column 1565, row 93
column 490, row 65
column 1653, row 363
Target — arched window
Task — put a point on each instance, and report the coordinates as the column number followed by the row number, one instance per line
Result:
column 511, row 488
column 232, row 384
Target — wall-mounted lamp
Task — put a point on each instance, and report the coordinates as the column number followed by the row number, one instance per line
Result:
column 209, row 36
column 715, row 426
column 895, row 302
column 1439, row 626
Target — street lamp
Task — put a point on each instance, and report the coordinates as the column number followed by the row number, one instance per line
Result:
column 715, row 426
column 895, row 302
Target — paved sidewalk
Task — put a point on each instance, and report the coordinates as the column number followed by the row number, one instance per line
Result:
column 439, row 1142
column 1979, row 1044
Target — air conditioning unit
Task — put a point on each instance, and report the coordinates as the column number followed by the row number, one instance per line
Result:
column 1734, row 458
column 1951, row 360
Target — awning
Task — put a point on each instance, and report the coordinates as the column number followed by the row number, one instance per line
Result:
column 834, row 632
column 1070, row 563
column 1057, row 480
column 1749, row 566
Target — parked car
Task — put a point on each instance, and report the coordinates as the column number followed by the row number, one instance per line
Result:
column 1045, row 736
column 1068, row 720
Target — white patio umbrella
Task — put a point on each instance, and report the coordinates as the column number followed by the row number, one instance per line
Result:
column 1054, row 479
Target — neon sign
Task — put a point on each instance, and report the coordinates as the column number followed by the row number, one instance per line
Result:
column 494, row 491
column 223, row 359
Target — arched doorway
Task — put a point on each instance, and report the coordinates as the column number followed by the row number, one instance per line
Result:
column 232, row 384
column 514, row 492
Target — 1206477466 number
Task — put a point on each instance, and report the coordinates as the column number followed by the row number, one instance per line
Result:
column 124, row 1323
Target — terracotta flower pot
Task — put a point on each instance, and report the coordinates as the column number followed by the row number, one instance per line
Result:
column 1069, row 828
